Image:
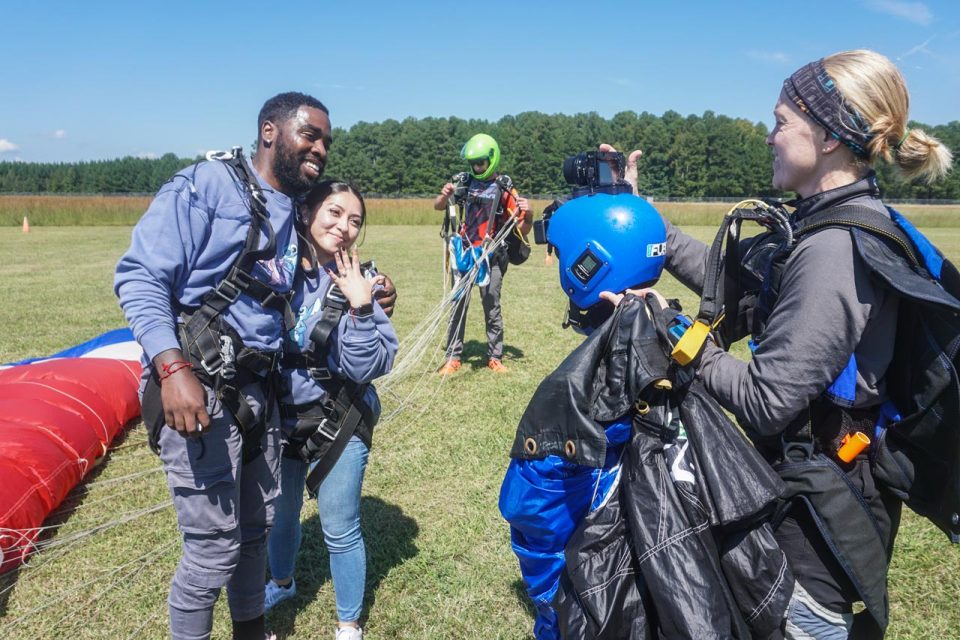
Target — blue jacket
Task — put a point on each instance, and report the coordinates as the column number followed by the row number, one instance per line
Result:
column 185, row 244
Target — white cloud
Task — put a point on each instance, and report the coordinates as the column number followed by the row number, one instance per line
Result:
column 916, row 12
column 778, row 57
column 59, row 134
column 6, row 146
column 920, row 48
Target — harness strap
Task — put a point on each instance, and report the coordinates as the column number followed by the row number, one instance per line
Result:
column 861, row 217
column 239, row 278
column 324, row 428
column 314, row 359
column 718, row 301
column 221, row 360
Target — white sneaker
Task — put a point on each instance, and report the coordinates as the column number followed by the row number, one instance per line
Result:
column 274, row 594
column 349, row 633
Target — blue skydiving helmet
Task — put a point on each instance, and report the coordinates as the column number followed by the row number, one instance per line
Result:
column 605, row 243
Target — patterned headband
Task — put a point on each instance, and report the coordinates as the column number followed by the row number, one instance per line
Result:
column 814, row 92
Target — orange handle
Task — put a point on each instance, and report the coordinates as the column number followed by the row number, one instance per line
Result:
column 852, row 445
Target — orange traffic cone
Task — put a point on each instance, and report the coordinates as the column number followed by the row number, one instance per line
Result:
column 26, row 225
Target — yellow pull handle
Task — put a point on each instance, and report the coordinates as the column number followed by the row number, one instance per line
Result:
column 691, row 342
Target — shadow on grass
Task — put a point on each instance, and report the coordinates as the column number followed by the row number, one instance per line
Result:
column 388, row 535
column 520, row 590
column 475, row 354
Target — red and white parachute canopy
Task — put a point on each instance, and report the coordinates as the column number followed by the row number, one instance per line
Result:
column 57, row 417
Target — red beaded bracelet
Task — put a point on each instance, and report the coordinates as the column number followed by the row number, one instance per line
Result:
column 170, row 368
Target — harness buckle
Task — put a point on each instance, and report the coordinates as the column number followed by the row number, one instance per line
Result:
column 228, row 291
column 320, row 373
column 212, row 368
column 335, row 298
column 227, row 358
column 328, row 430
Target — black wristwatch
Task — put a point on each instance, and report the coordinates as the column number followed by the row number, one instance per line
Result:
column 362, row 310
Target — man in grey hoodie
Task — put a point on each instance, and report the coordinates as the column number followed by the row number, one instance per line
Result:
column 183, row 247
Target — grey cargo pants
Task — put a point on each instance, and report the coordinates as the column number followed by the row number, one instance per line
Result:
column 224, row 512
column 490, row 297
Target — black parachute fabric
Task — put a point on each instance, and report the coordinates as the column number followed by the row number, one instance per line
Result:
column 682, row 548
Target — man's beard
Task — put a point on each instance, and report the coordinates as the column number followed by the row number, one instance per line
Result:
column 286, row 168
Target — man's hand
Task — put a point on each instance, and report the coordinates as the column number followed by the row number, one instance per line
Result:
column 183, row 397
column 385, row 294
column 440, row 203
column 630, row 172
column 616, row 298
column 524, row 215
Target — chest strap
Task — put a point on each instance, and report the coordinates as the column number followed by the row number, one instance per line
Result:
column 324, row 428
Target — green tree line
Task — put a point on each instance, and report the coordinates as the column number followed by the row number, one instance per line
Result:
column 684, row 157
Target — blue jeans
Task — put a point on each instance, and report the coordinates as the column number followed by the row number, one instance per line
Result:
column 338, row 501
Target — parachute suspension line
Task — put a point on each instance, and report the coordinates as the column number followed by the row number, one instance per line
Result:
column 424, row 334
column 129, row 443
column 86, row 505
column 138, row 564
column 121, row 581
column 159, row 613
column 67, row 543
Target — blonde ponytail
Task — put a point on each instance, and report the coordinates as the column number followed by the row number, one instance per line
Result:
column 873, row 88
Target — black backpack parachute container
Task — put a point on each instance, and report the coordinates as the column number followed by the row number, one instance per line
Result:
column 916, row 456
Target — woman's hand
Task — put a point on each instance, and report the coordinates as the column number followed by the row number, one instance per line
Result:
column 615, row 298
column 349, row 278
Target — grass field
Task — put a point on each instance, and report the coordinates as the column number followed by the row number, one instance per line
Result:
column 52, row 210
column 440, row 564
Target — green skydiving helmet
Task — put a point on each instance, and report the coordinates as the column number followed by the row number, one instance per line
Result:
column 482, row 147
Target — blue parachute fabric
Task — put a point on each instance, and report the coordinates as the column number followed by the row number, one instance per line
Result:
column 544, row 501
column 932, row 258
column 465, row 257
column 112, row 337
column 843, row 390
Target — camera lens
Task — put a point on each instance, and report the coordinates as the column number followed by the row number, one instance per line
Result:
column 573, row 169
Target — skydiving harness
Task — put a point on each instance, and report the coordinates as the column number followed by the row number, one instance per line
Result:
column 915, row 448
column 324, row 426
column 517, row 247
column 220, row 359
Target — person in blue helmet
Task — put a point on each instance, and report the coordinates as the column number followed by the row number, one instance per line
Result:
column 488, row 200
column 824, row 327
column 544, row 500
column 636, row 508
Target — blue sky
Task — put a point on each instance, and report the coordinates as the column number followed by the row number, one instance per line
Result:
column 95, row 80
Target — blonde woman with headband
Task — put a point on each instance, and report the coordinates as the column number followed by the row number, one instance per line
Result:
column 823, row 333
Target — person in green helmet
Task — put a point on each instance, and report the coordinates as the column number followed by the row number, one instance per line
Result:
column 488, row 200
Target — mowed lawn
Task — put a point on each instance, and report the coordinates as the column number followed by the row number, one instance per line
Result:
column 440, row 563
